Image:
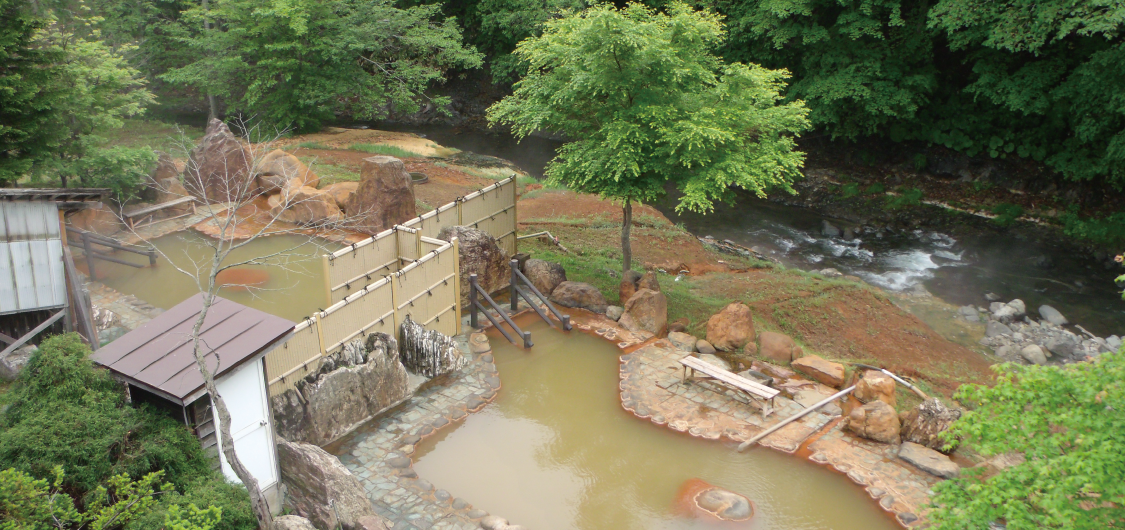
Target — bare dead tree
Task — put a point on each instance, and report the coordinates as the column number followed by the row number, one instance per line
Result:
column 238, row 189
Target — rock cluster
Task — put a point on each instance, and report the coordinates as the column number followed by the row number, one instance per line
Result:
column 1016, row 337
column 322, row 490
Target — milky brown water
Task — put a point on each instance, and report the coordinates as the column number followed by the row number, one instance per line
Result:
column 294, row 288
column 557, row 451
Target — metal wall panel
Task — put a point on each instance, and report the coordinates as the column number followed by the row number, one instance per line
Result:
column 31, row 268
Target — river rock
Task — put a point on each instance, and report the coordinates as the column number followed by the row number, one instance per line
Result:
column 778, row 347
column 875, row 421
column 732, row 328
column 628, row 285
column 682, row 341
column 385, row 196
column 480, row 254
column 305, row 206
column 1006, row 314
column 1052, row 315
column 1034, row 354
column 292, row 522
column 725, row 505
column 646, row 311
column 820, row 369
column 321, row 489
column 219, row 168
column 924, row 424
column 278, row 167
column 829, row 229
column 1114, row 342
column 581, row 295
column 362, row 380
column 702, row 346
column 614, row 312
column 928, row 460
column 994, row 329
column 544, row 275
column 875, row 386
column 830, row 272
column 714, row 360
column 341, row 192
column 1019, row 306
column 1061, row 345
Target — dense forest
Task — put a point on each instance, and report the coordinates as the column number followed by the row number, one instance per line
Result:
column 1041, row 82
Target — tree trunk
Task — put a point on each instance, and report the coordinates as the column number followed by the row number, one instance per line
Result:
column 257, row 502
column 626, row 247
column 212, row 109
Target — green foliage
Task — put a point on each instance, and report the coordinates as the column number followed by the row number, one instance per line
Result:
column 381, row 149
column 230, row 500
column 192, row 518
column 875, row 189
column 1108, row 231
column 849, row 190
column 29, row 504
column 1067, row 422
column 1006, row 213
column 301, row 63
column 905, row 198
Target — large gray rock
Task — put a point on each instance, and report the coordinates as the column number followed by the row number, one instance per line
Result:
column 12, row 364
column 581, row 295
column 292, row 522
column 219, row 168
column 928, row 460
column 646, row 311
column 725, row 504
column 384, row 198
column 322, row 490
column 682, row 341
column 1034, row 354
column 614, row 312
column 480, row 254
column 1052, row 315
column 351, row 386
column 995, row 329
column 1061, row 345
column 544, row 275
column 1018, row 306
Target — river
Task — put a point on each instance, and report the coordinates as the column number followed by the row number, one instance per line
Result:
column 959, row 267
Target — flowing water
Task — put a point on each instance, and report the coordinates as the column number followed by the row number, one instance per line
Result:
column 557, row 451
column 291, row 288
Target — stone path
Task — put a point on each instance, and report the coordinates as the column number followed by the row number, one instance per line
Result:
column 379, row 453
column 651, row 387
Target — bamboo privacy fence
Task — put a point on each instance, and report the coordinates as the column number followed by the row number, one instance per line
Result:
column 375, row 284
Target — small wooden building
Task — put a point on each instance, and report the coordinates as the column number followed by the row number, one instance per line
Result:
column 157, row 363
column 39, row 287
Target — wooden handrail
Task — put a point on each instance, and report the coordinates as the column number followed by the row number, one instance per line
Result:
column 474, row 290
column 517, row 278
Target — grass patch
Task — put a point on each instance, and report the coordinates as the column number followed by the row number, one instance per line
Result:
column 875, row 189
column 905, row 198
column 1006, row 213
column 330, row 173
column 155, row 134
column 313, row 145
column 421, row 206
column 382, row 149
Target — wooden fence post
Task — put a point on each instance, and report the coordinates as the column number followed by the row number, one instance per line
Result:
column 457, row 281
column 327, row 280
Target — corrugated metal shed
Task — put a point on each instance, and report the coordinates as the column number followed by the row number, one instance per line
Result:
column 31, row 257
column 157, row 356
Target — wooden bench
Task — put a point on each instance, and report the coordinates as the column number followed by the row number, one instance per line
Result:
column 132, row 215
column 756, row 391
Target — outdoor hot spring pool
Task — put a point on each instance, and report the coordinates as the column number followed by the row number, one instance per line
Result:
column 292, row 288
column 555, row 450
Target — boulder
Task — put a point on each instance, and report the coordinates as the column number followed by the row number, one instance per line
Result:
column 165, row 169
column 772, row 370
column 648, row 281
column 875, row 421
column 219, row 168
column 544, row 275
column 97, row 218
column 292, row 522
column 581, row 295
column 480, row 254
column 614, row 312
column 995, row 329
column 170, row 189
column 1006, row 314
column 928, row 460
column 278, row 167
column 362, row 380
column 1019, row 307
column 875, row 386
column 682, row 341
column 12, row 364
column 646, row 311
column 830, row 230
column 778, row 347
column 820, row 369
column 924, row 423
column 680, row 324
column 732, row 328
column 341, row 192
column 1114, row 342
column 1061, row 345
column 1052, row 315
column 628, row 285
column 305, row 206
column 703, row 346
column 698, row 498
column 384, row 198
column 1034, row 354
column 321, row 489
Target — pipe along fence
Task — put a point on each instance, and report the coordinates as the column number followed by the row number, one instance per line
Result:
column 374, row 285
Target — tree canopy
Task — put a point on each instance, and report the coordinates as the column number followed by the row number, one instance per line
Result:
column 645, row 102
column 1068, row 424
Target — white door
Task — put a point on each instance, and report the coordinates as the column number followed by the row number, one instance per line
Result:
column 244, row 392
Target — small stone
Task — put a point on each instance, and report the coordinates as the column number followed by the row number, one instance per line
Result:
column 442, row 495
column 411, row 439
column 407, row 473
column 928, row 460
column 887, row 501
column 486, row 358
column 476, row 513
column 424, row 485
column 440, row 422
column 702, row 346
column 994, row 329
column 492, row 381
column 682, row 341
column 906, row 517
column 460, row 504
column 1052, row 315
column 473, row 401
column 614, row 312
column 400, row 462
column 1034, row 354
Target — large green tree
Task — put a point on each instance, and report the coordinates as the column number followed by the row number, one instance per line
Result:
column 1068, row 423
column 645, row 102
column 298, row 63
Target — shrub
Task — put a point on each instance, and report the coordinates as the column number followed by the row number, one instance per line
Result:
column 905, row 198
column 389, row 150
column 875, row 189
column 849, row 190
column 1006, row 213
column 231, row 499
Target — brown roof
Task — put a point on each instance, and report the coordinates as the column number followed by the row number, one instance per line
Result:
column 157, row 356
column 55, row 194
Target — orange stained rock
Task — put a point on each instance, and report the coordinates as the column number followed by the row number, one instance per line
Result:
column 694, row 499
column 241, row 279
